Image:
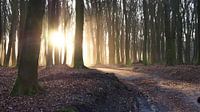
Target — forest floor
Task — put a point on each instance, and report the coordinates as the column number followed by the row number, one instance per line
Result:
column 155, row 88
column 68, row 89
column 166, row 89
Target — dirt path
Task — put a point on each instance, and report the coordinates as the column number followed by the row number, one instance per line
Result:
column 66, row 89
column 161, row 95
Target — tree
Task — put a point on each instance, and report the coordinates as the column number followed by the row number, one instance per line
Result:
column 179, row 34
column 145, row 12
column 1, row 30
column 198, row 7
column 78, row 55
column 23, row 13
column 110, row 26
column 127, row 37
column 170, row 41
column 12, row 34
column 187, row 30
column 27, row 80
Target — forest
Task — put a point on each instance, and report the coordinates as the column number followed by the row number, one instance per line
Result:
column 100, row 55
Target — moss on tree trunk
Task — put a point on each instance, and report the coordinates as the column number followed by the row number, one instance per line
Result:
column 27, row 80
column 29, row 89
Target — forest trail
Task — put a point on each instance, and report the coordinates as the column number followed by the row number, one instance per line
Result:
column 158, row 94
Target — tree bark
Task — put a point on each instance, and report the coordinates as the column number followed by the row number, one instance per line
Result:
column 145, row 12
column 23, row 13
column 188, row 38
column 153, row 33
column 170, row 41
column 27, row 80
column 1, row 33
column 198, row 62
column 12, row 34
column 179, row 35
column 1, row 28
column 78, row 56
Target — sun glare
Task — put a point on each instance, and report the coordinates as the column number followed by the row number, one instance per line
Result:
column 57, row 39
column 63, row 43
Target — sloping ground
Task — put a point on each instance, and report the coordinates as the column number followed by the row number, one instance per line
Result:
column 184, row 73
column 166, row 89
column 178, row 87
column 86, row 90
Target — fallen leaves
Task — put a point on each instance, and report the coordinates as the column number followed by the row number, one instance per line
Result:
column 93, row 90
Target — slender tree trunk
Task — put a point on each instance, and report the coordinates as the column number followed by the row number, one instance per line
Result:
column 13, row 54
column 1, row 33
column 111, row 40
column 188, row 38
column 98, row 25
column 5, row 25
column 145, row 11
column 127, row 37
column 12, row 34
column 27, row 80
column 179, row 35
column 163, row 39
column 1, row 27
column 56, row 56
column 153, row 35
column 49, row 58
column 169, row 39
column 56, row 16
column 158, row 33
column 66, row 19
column 117, row 40
column 198, row 62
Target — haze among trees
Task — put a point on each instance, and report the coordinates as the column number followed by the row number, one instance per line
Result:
column 99, row 55
column 82, row 33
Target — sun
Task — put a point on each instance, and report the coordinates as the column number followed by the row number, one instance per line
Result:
column 64, row 43
column 57, row 39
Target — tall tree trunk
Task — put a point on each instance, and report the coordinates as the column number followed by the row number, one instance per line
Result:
column 127, row 37
column 12, row 34
column 49, row 58
column 145, row 12
column 153, row 35
column 56, row 16
column 66, row 20
column 1, row 27
column 170, row 42
column 111, row 40
column 158, row 33
column 5, row 25
column 117, row 40
column 27, row 80
column 188, row 38
column 198, row 62
column 78, row 56
column 98, row 38
column 23, row 13
column 1, row 33
column 13, row 59
column 179, row 35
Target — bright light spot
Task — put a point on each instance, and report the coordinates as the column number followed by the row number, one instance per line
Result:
column 57, row 39
column 63, row 43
